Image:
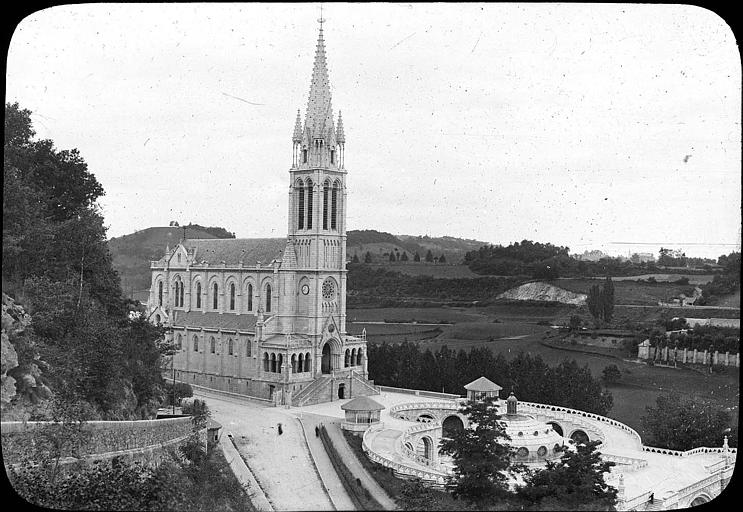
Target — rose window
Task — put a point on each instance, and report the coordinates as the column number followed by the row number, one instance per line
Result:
column 328, row 290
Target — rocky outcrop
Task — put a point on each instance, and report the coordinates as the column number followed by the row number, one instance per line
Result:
column 543, row 292
column 24, row 378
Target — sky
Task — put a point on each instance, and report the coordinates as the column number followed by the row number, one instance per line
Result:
column 612, row 127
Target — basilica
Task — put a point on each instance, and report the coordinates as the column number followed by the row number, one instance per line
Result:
column 267, row 317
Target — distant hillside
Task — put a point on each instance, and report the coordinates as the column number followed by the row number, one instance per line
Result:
column 380, row 245
column 132, row 253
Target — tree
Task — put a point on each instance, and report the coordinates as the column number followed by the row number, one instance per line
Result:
column 404, row 256
column 611, row 374
column 594, row 301
column 575, row 482
column 416, row 256
column 575, row 322
column 480, row 453
column 429, row 256
column 682, row 424
column 367, row 257
column 392, row 257
column 607, row 300
column 355, row 258
column 442, row 259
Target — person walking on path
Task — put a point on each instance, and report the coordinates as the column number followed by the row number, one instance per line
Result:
column 281, row 430
column 317, row 431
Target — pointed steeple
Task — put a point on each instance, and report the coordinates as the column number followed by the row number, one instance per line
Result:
column 319, row 110
column 340, row 135
column 297, row 137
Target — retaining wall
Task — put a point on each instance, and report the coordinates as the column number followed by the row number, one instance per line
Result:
column 143, row 439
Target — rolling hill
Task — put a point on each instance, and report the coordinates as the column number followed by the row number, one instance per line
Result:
column 132, row 253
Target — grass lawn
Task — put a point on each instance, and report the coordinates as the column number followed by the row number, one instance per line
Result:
column 631, row 292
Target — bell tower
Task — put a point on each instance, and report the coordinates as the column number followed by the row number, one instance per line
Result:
column 317, row 207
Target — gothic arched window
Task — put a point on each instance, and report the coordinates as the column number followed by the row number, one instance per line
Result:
column 300, row 363
column 247, row 348
column 232, row 296
column 195, row 343
column 230, row 347
column 358, row 358
column 215, row 298
column 179, row 343
column 213, row 345
column 307, row 362
column 198, row 295
column 300, row 211
column 294, row 363
column 268, row 298
column 325, row 191
column 273, row 363
column 310, row 193
column 250, row 297
column 265, row 361
column 160, row 293
column 353, row 357
column 346, row 359
column 334, row 207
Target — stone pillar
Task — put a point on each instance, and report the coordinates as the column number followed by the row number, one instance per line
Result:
column 714, row 358
column 694, row 359
column 727, row 358
column 685, row 352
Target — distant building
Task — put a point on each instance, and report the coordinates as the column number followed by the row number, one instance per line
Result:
column 593, row 255
column 643, row 257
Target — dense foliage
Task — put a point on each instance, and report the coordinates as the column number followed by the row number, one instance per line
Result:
column 83, row 340
column 481, row 453
column 701, row 338
column 567, row 384
column 600, row 301
column 189, row 480
column 217, row 231
column 723, row 284
column 575, row 482
column 679, row 423
column 369, row 286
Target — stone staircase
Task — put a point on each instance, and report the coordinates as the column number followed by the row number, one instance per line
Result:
column 312, row 394
column 367, row 388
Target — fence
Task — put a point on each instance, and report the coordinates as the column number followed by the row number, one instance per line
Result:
column 669, row 355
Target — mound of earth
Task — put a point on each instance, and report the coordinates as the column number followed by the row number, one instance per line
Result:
column 539, row 291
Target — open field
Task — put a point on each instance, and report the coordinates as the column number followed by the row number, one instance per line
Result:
column 631, row 292
column 439, row 270
column 694, row 279
column 517, row 330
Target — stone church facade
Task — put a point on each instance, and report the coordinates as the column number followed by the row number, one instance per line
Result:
column 267, row 317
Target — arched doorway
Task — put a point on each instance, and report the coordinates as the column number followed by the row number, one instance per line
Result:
column 451, row 425
column 326, row 365
column 699, row 500
column 556, row 427
column 427, row 447
column 579, row 437
column 341, row 391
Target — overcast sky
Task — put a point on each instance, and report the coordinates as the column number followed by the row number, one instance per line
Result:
column 614, row 127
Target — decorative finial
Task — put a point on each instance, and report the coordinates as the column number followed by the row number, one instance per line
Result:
column 321, row 20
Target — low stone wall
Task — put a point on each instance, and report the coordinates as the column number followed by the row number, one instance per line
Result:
column 100, row 439
column 685, row 356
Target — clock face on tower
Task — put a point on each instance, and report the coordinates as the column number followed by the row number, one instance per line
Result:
column 305, row 289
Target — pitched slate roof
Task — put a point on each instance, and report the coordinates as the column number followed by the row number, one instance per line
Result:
column 482, row 384
column 232, row 251
column 362, row 403
column 213, row 320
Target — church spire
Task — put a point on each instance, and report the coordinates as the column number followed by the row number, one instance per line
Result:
column 319, row 118
column 340, row 136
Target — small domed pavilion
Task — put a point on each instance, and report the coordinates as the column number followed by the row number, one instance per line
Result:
column 361, row 413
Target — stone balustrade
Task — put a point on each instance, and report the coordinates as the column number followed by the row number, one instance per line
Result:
column 688, row 453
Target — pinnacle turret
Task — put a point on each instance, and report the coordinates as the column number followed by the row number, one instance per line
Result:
column 297, row 137
column 340, row 135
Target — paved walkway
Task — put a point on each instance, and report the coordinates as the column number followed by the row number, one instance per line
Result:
column 358, row 471
column 281, row 463
column 333, row 484
column 243, row 474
